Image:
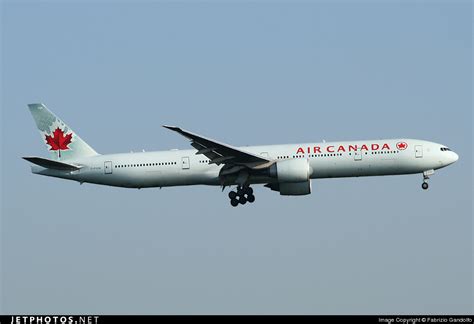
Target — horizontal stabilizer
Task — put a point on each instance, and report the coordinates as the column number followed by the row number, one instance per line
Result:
column 51, row 164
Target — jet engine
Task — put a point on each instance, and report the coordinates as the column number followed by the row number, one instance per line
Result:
column 293, row 177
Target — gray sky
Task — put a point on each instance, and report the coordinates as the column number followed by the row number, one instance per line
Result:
column 254, row 73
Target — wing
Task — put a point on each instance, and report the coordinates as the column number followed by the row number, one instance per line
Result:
column 220, row 153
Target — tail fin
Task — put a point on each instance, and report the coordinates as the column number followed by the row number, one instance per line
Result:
column 62, row 142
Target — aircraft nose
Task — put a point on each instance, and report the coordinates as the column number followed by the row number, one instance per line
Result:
column 451, row 157
column 455, row 157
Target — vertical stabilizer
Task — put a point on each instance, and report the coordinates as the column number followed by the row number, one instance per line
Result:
column 62, row 142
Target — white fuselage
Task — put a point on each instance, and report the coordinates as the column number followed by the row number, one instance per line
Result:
column 326, row 160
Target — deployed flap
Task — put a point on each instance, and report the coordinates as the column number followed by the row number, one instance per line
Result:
column 51, row 164
column 220, row 153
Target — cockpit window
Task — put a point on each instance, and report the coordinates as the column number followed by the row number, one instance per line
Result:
column 445, row 149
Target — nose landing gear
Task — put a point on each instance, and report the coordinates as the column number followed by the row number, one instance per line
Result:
column 426, row 176
column 243, row 194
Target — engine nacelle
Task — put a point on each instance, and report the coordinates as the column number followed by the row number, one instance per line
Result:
column 295, row 170
column 293, row 177
column 295, row 188
column 291, row 188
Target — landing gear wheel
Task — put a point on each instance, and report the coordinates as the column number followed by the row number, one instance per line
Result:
column 234, row 202
column 424, row 185
column 241, row 195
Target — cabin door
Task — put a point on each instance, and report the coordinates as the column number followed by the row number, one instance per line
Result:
column 358, row 155
column 419, row 151
column 185, row 162
column 108, row 167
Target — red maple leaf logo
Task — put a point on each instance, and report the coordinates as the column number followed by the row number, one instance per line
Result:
column 59, row 141
column 402, row 145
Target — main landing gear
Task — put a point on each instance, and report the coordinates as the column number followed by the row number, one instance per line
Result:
column 426, row 176
column 241, row 196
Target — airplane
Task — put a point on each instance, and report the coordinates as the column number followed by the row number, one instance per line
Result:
column 287, row 169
